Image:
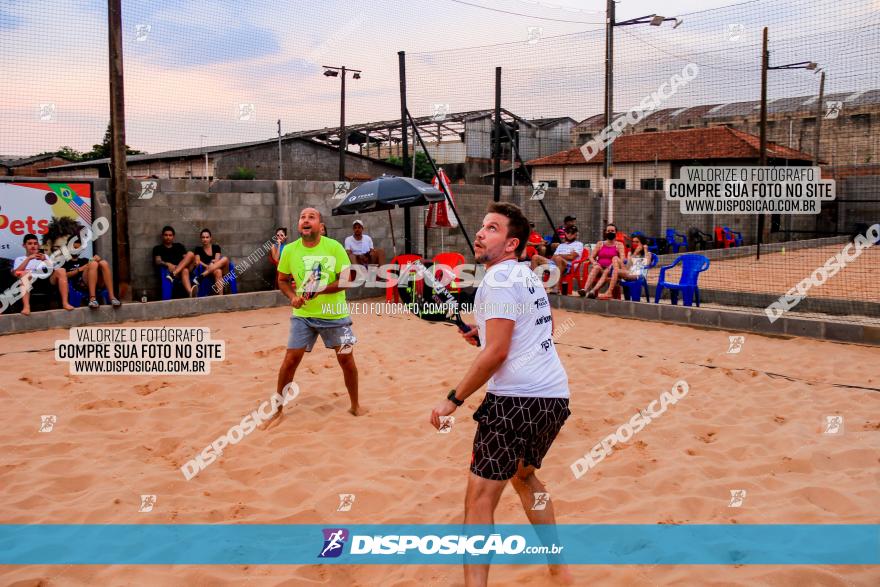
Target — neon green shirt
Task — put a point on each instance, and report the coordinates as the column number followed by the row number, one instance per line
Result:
column 298, row 260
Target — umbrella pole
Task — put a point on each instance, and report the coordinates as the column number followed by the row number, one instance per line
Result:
column 393, row 240
column 425, row 237
column 442, row 186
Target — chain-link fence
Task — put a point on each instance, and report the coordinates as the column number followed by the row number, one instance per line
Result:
column 204, row 84
column 696, row 81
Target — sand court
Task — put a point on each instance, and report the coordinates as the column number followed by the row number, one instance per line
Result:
column 777, row 272
column 751, row 421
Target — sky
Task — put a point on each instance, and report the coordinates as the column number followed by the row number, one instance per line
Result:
column 214, row 72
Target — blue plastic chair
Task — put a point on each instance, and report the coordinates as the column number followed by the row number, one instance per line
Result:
column 207, row 285
column 653, row 246
column 167, row 286
column 632, row 288
column 691, row 267
column 76, row 297
column 673, row 244
column 737, row 236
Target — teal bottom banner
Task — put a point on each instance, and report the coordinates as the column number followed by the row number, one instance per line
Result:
column 290, row 544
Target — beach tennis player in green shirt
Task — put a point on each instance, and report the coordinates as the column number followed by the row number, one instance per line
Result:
column 308, row 274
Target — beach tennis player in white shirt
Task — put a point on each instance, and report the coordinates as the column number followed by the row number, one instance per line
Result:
column 527, row 399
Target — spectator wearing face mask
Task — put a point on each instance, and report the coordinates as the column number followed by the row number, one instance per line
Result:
column 602, row 259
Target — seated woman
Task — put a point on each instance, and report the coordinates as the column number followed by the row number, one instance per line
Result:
column 635, row 267
column 602, row 258
column 208, row 260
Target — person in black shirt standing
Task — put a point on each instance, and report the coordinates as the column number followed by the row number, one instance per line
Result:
column 174, row 257
column 208, row 260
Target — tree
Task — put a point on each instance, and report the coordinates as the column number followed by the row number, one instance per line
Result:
column 424, row 171
column 103, row 150
column 65, row 152
column 69, row 153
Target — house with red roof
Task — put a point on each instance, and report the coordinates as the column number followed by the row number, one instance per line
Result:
column 647, row 160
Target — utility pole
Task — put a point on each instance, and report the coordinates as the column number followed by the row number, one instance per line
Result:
column 404, row 137
column 204, row 152
column 280, row 170
column 343, row 134
column 118, row 169
column 820, row 113
column 608, row 167
column 610, row 23
column 496, row 144
column 762, row 153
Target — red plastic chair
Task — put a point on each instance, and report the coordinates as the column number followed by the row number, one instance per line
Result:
column 451, row 260
column 577, row 274
column 391, row 294
column 625, row 239
column 722, row 237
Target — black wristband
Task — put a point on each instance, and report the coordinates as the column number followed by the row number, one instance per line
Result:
column 451, row 397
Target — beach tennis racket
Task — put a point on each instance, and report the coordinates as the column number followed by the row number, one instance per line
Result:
column 313, row 282
column 433, row 302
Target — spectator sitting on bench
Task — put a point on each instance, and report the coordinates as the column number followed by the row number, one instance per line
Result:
column 174, row 257
column 208, row 260
column 32, row 266
column 559, row 237
column 359, row 247
column 566, row 254
column 84, row 275
column 536, row 240
column 602, row 258
column 636, row 266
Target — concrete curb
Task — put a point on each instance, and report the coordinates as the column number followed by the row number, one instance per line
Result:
column 723, row 319
column 697, row 317
column 137, row 312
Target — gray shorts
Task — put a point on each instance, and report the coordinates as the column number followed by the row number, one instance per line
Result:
column 335, row 333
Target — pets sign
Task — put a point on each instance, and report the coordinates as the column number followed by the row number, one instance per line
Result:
column 27, row 207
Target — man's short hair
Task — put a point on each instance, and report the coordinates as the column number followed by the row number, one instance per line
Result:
column 571, row 229
column 569, row 219
column 168, row 228
column 517, row 223
column 28, row 237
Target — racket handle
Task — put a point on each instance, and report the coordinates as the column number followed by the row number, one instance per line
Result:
column 464, row 328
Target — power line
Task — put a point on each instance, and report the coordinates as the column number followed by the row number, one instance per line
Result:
column 524, row 15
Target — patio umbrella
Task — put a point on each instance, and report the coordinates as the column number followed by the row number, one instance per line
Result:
column 387, row 192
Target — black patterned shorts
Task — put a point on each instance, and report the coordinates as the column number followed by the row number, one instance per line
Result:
column 512, row 429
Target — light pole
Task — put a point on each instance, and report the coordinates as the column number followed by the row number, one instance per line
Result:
column 610, row 23
column 762, row 153
column 280, row 171
column 820, row 112
column 343, row 134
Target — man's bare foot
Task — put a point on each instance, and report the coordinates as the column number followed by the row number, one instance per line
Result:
column 273, row 421
column 561, row 575
column 357, row 410
column 26, row 311
column 68, row 307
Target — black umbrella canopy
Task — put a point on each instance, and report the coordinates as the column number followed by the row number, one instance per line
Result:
column 387, row 192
